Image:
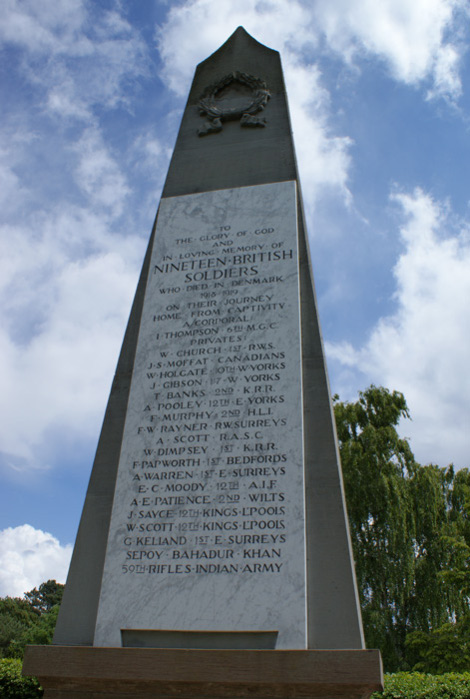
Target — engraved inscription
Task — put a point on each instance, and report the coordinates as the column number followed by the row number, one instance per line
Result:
column 210, row 482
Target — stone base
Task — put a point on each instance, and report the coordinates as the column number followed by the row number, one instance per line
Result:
column 77, row 672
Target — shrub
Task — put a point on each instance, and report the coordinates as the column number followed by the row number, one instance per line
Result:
column 417, row 685
column 13, row 685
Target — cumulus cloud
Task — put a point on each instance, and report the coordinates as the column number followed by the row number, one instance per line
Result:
column 65, row 289
column 422, row 348
column 69, row 258
column 417, row 40
column 15, row 140
column 98, row 174
column 289, row 28
column 275, row 23
column 326, row 162
column 29, row 557
column 77, row 58
column 42, row 25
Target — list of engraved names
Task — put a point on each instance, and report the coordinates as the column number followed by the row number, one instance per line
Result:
column 210, row 481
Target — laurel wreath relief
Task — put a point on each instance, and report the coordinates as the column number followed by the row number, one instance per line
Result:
column 216, row 113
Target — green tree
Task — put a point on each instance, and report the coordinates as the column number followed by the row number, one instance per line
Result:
column 445, row 643
column 442, row 648
column 42, row 632
column 410, row 530
column 433, row 602
column 376, row 463
column 457, row 573
column 29, row 620
column 16, row 617
column 49, row 594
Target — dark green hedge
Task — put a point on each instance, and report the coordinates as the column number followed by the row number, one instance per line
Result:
column 13, row 685
column 417, row 685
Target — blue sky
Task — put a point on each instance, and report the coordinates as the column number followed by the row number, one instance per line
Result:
column 92, row 94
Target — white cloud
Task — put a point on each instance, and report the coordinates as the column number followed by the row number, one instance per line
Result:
column 69, row 261
column 422, row 348
column 446, row 76
column 98, row 173
column 42, row 25
column 288, row 28
column 78, row 55
column 63, row 101
column 65, row 290
column 9, row 184
column 417, row 40
column 323, row 158
column 15, row 141
column 29, row 557
column 273, row 22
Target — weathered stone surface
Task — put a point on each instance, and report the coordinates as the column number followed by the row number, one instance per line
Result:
column 225, row 162
column 208, row 518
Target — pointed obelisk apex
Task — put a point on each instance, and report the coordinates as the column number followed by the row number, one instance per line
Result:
column 238, row 42
column 238, row 155
column 214, row 535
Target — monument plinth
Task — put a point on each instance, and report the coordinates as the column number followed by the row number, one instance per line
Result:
column 213, row 554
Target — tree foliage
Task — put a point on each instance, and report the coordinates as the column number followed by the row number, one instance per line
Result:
column 29, row 620
column 48, row 596
column 410, row 530
column 12, row 683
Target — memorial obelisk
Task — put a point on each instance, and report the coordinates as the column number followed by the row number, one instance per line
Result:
column 214, row 529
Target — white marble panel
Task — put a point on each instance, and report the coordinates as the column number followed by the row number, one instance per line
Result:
column 207, row 530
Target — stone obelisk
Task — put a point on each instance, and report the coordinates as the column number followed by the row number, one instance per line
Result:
column 215, row 522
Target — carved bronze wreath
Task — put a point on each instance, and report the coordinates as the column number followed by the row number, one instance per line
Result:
column 216, row 113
